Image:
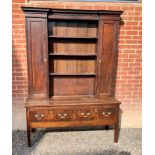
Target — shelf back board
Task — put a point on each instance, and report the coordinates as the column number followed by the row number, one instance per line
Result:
column 72, row 57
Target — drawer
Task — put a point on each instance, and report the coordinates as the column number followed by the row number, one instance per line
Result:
column 63, row 114
column 107, row 112
column 51, row 114
column 85, row 114
column 40, row 115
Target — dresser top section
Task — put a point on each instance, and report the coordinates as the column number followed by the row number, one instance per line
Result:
column 70, row 11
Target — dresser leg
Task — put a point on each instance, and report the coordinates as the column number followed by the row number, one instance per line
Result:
column 33, row 130
column 116, row 133
column 107, row 127
column 29, row 137
column 28, row 128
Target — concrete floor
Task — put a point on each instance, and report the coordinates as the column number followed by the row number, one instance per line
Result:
column 92, row 142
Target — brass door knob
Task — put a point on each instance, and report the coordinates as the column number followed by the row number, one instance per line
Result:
column 45, row 60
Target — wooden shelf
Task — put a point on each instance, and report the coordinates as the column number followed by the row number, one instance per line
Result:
column 72, row 55
column 72, row 74
column 70, row 37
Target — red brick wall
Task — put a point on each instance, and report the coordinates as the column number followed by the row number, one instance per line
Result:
column 128, row 83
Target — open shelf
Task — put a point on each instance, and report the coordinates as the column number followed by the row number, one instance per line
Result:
column 72, row 74
column 72, row 57
column 71, row 37
column 76, row 54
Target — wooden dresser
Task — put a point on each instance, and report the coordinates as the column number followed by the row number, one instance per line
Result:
column 71, row 68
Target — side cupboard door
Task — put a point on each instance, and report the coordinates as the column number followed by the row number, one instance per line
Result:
column 37, row 52
column 108, row 30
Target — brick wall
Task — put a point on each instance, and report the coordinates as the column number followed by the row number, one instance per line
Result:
column 128, row 83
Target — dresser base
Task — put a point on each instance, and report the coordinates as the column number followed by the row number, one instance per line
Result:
column 72, row 113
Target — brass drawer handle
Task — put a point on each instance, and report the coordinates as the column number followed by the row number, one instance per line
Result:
column 36, row 115
column 106, row 113
column 85, row 114
column 39, row 116
column 62, row 116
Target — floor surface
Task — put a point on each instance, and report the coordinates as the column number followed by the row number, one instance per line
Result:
column 87, row 142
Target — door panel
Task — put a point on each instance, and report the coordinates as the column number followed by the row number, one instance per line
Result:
column 37, row 57
column 107, row 57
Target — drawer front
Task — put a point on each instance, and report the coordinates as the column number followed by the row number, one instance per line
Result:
column 40, row 115
column 85, row 114
column 63, row 114
column 50, row 114
column 107, row 112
